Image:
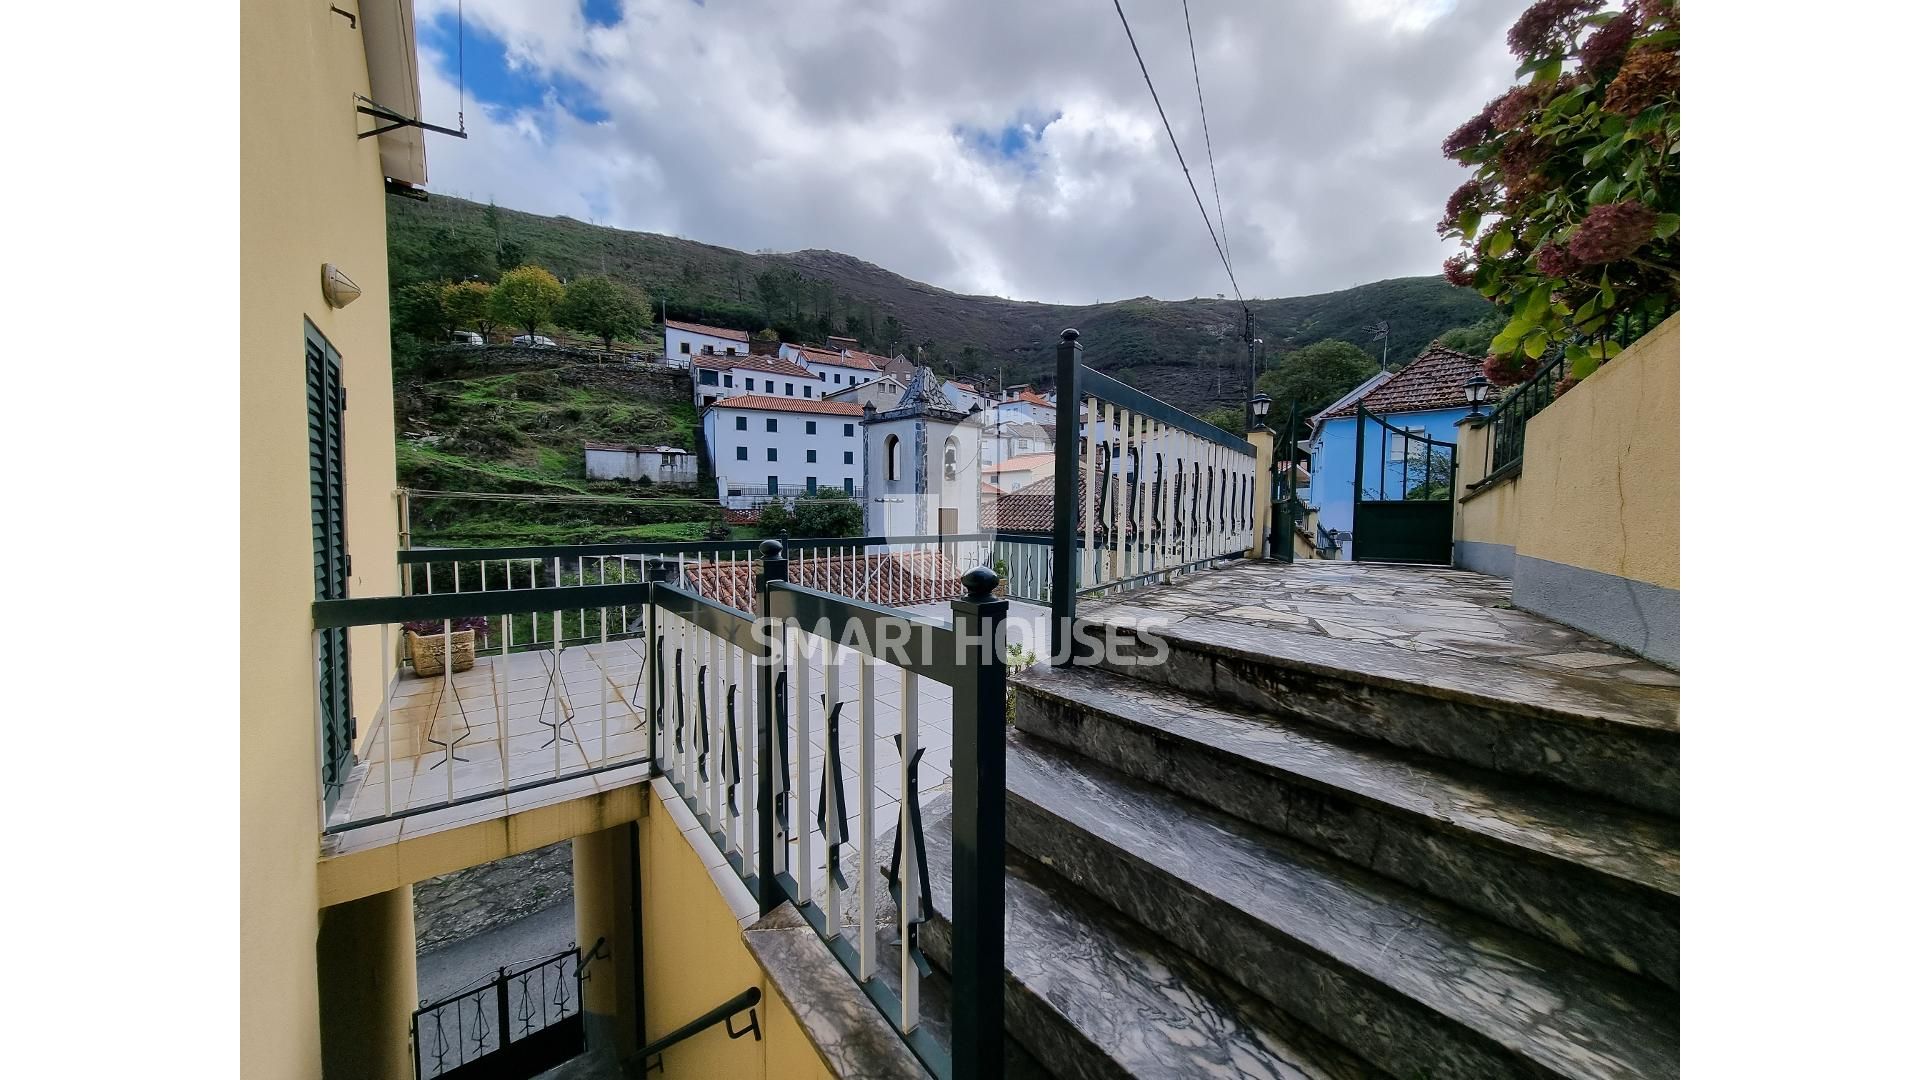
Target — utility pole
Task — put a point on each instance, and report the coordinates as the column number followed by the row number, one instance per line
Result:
column 1380, row 335
column 1253, row 367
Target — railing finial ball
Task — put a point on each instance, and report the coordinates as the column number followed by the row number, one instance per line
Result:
column 772, row 549
column 1069, row 334
column 980, row 583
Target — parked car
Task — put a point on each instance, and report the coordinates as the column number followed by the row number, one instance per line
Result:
column 535, row 341
column 467, row 337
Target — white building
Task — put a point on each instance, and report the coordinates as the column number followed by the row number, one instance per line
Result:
column 1013, row 438
column 655, row 464
column 686, row 340
column 883, row 393
column 963, row 395
column 1017, row 472
column 837, row 368
column 1026, row 405
column 923, row 465
column 771, row 447
column 721, row 376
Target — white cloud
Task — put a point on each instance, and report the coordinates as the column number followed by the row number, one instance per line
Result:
column 831, row 124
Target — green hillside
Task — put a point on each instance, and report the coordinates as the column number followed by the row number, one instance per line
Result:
column 1188, row 352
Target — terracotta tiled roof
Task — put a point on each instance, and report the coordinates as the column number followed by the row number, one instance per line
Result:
column 773, row 365
column 1435, row 380
column 991, row 489
column 748, row 516
column 786, row 404
column 1019, row 464
column 710, row 331
column 1028, row 510
column 890, row 579
column 853, row 358
column 1032, row 398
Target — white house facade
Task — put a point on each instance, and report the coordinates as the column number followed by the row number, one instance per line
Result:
column 722, row 376
column 767, row 447
column 686, row 340
column 837, row 369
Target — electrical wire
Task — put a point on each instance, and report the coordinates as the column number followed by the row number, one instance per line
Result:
column 1219, row 211
column 1191, row 186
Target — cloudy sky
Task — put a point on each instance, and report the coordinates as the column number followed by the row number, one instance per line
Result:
column 1006, row 147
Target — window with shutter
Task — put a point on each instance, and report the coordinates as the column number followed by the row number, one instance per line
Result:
column 326, row 471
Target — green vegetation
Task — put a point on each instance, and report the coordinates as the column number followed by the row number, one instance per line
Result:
column 527, row 297
column 1187, row 352
column 1571, row 220
column 604, row 308
column 1316, row 376
column 828, row 513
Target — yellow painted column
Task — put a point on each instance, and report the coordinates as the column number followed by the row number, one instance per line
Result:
column 1470, row 463
column 1263, row 451
column 603, row 908
column 367, row 986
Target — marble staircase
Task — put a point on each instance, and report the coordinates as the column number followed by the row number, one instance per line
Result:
column 1281, row 854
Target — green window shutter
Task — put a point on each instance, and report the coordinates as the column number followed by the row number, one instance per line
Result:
column 327, row 489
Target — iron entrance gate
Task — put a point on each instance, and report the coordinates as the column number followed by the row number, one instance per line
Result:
column 1403, row 511
column 515, row 1026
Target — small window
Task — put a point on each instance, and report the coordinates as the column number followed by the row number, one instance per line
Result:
column 727, row 378
column 686, row 347
column 734, row 493
column 847, row 485
column 806, row 390
column 739, row 453
column 846, row 457
column 893, row 457
column 813, row 484
column 709, row 378
column 773, row 485
column 810, row 430
column 789, row 389
column 706, row 350
column 739, row 423
column 847, row 430
column 773, row 453
column 773, row 424
column 836, row 377
column 811, row 456
column 749, row 382
column 729, row 350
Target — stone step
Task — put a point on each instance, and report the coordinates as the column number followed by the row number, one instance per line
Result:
column 1580, row 872
column 1417, row 987
column 1091, row 995
column 1608, row 736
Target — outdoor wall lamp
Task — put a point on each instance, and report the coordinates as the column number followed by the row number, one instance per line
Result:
column 1477, row 389
column 1261, row 403
column 337, row 287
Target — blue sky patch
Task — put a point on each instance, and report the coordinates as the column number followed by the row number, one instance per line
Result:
column 1013, row 142
column 601, row 12
column 491, row 80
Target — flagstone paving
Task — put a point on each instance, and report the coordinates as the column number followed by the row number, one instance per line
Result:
column 1421, row 609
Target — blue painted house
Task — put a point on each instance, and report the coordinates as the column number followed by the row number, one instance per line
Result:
column 1426, row 397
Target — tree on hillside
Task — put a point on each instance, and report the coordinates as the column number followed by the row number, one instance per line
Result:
column 604, row 308
column 419, row 310
column 1316, row 375
column 466, row 305
column 1233, row 421
column 526, row 297
column 1473, row 340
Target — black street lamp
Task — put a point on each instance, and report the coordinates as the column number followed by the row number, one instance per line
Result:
column 1261, row 403
column 1478, row 388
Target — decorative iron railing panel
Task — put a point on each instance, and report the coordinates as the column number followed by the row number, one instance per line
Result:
column 1519, row 405
column 518, row 1023
column 1142, row 490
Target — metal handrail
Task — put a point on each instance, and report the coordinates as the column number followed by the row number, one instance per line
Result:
column 745, row 1001
column 1511, row 413
column 415, row 555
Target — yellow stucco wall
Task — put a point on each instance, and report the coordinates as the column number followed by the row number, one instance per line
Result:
column 1600, row 485
column 695, row 959
column 310, row 193
column 1602, row 473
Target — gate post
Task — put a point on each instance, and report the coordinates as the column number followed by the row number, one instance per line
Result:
column 773, row 567
column 1066, row 490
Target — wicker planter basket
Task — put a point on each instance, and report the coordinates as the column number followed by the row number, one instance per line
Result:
column 426, row 650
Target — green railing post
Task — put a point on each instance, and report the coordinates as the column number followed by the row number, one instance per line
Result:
column 1066, row 491
column 773, row 567
column 1282, row 539
column 979, row 829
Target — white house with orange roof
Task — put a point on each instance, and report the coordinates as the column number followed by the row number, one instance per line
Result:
column 686, row 340
column 838, row 367
column 766, row 447
column 720, row 376
column 1017, row 472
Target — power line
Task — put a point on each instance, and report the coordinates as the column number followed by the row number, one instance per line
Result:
column 1191, row 186
column 1218, row 210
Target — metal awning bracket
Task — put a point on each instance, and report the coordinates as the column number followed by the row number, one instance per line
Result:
column 369, row 107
